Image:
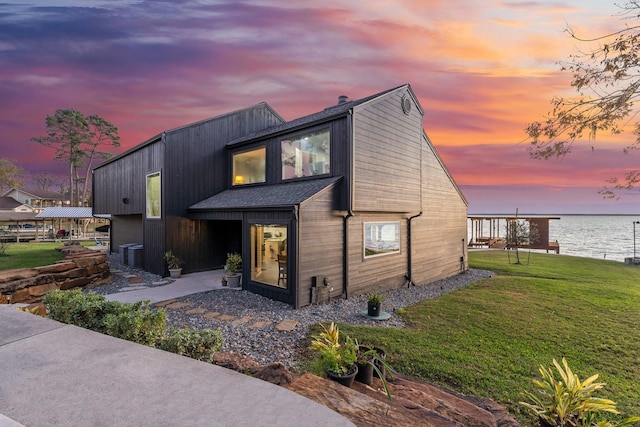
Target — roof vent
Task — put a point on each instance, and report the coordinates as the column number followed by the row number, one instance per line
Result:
column 342, row 99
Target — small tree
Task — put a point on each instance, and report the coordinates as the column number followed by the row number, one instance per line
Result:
column 521, row 232
column 10, row 175
column 76, row 139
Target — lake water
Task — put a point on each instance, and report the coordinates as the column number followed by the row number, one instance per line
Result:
column 608, row 237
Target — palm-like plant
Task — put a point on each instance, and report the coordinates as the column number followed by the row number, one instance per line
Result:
column 568, row 401
column 336, row 357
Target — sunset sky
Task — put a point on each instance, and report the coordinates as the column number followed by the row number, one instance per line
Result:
column 482, row 70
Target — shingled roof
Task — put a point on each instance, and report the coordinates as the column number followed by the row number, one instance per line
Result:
column 326, row 114
column 269, row 196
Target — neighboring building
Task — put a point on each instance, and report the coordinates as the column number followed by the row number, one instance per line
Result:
column 38, row 200
column 339, row 203
column 9, row 204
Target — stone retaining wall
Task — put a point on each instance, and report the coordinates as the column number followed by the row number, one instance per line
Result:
column 81, row 268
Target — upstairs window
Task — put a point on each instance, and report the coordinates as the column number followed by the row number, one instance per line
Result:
column 249, row 166
column 308, row 155
column 154, row 195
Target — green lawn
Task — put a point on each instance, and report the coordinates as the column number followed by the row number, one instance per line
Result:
column 489, row 338
column 25, row 255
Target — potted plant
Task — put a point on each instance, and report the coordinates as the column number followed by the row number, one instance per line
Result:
column 371, row 360
column 373, row 304
column 337, row 358
column 174, row 263
column 233, row 266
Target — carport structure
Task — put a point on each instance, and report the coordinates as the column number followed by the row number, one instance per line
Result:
column 78, row 217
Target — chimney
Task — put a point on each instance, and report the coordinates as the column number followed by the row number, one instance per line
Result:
column 342, row 99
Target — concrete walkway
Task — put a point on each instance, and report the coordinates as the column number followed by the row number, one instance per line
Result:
column 187, row 284
column 61, row 375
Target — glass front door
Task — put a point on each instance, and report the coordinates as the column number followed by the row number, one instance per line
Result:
column 269, row 254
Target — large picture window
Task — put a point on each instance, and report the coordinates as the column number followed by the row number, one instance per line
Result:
column 249, row 166
column 381, row 238
column 154, row 195
column 307, row 155
column 269, row 254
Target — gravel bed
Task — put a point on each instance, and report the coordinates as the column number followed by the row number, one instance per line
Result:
column 119, row 281
column 266, row 344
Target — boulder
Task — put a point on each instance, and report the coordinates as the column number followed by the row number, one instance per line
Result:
column 275, row 373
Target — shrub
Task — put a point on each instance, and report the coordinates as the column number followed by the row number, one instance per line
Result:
column 75, row 308
column 132, row 322
column 200, row 345
column 136, row 322
column 570, row 402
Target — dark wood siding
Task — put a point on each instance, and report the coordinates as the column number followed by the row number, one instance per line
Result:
column 387, row 155
column 124, row 178
column 126, row 229
column 321, row 246
column 197, row 168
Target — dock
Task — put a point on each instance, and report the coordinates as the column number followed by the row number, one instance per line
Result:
column 489, row 231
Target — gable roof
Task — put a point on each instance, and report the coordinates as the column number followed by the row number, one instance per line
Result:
column 328, row 113
column 36, row 194
column 264, row 196
column 8, row 203
column 159, row 136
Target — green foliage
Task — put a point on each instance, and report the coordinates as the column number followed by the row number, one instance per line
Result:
column 371, row 356
column 488, row 338
column 336, row 356
column 605, row 76
column 172, row 261
column 4, row 245
column 375, row 298
column 197, row 344
column 234, row 262
column 133, row 322
column 76, row 308
column 568, row 401
column 10, row 175
column 76, row 139
column 27, row 255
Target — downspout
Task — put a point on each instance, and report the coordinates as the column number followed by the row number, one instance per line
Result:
column 409, row 274
column 345, row 221
column 296, row 219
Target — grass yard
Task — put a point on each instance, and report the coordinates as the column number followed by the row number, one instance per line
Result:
column 489, row 338
column 26, row 255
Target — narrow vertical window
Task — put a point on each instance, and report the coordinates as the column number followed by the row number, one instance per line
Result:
column 154, row 195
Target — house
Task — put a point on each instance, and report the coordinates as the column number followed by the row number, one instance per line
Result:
column 36, row 199
column 9, row 204
column 338, row 203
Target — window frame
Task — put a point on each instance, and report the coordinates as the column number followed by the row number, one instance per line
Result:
column 233, row 178
column 298, row 136
column 148, row 208
column 367, row 230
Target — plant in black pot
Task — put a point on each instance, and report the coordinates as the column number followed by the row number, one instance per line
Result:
column 369, row 360
column 338, row 358
column 373, row 304
column 233, row 266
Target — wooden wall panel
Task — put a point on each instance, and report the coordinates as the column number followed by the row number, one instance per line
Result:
column 387, row 144
column 439, row 235
column 125, row 178
column 321, row 247
column 377, row 273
